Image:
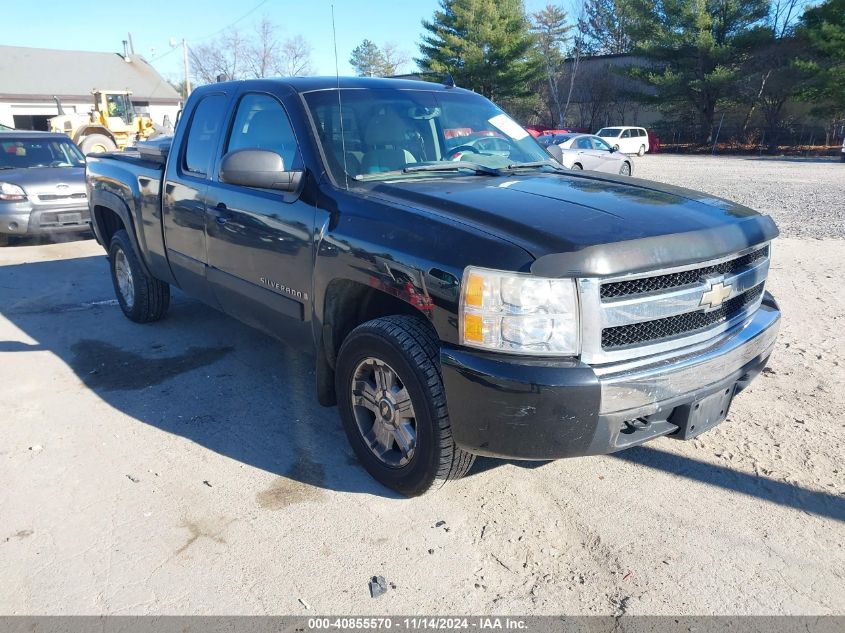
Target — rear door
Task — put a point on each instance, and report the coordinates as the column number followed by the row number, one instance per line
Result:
column 260, row 240
column 185, row 187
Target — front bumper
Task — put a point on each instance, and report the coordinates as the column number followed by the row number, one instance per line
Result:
column 23, row 218
column 546, row 409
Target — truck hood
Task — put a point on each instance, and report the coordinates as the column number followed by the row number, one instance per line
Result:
column 41, row 180
column 588, row 225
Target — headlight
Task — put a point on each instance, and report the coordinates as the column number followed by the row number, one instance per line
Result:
column 519, row 313
column 8, row 191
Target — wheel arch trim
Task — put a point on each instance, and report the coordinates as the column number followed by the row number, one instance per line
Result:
column 113, row 203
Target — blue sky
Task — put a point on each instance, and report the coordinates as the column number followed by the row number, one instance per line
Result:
column 96, row 26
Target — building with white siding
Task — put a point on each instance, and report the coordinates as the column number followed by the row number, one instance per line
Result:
column 31, row 77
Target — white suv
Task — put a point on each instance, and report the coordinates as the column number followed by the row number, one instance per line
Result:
column 628, row 140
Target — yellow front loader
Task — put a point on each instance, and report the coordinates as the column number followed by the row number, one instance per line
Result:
column 111, row 124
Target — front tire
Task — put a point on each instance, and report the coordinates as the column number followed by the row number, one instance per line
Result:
column 142, row 298
column 393, row 405
column 625, row 169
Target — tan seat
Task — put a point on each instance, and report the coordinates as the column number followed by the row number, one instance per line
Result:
column 385, row 135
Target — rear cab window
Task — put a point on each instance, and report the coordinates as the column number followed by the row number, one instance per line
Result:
column 203, row 134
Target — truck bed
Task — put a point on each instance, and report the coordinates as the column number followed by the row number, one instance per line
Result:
column 131, row 181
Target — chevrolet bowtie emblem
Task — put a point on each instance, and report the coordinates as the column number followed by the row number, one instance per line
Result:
column 714, row 297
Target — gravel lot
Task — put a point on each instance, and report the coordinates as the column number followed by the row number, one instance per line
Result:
column 805, row 196
column 184, row 467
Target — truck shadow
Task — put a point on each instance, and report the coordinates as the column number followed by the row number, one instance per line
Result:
column 204, row 376
column 197, row 374
column 784, row 494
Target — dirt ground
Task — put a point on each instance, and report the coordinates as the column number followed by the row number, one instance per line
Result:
column 184, row 467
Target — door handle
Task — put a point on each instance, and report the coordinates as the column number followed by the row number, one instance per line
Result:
column 221, row 215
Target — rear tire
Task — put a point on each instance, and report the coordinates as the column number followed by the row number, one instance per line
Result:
column 641, row 151
column 142, row 298
column 97, row 143
column 393, row 405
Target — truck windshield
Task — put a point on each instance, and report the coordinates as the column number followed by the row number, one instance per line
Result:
column 20, row 153
column 393, row 133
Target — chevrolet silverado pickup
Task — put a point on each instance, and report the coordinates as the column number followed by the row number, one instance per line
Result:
column 457, row 301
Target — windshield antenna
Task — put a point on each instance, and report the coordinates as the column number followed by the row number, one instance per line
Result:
column 340, row 106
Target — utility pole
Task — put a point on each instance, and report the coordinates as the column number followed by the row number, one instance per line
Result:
column 185, row 61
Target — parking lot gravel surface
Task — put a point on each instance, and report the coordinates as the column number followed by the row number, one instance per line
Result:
column 184, row 467
column 805, row 196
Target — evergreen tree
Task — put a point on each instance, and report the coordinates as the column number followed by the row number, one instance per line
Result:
column 484, row 44
column 606, row 26
column 823, row 27
column 368, row 60
column 551, row 30
column 695, row 51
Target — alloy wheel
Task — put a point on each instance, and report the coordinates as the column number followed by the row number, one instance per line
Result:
column 384, row 412
column 123, row 274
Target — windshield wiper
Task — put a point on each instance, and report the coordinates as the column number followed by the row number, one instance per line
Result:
column 455, row 166
column 537, row 163
column 450, row 166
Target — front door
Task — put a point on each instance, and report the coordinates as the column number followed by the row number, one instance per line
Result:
column 587, row 156
column 627, row 142
column 605, row 157
column 260, row 240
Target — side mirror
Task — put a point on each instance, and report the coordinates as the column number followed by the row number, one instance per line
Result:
column 612, row 149
column 555, row 152
column 258, row 168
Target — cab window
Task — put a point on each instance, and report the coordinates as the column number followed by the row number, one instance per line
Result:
column 203, row 133
column 626, row 134
column 262, row 123
column 583, row 143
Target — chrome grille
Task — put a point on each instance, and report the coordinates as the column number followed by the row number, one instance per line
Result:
column 647, row 313
column 627, row 288
column 50, row 197
column 687, row 323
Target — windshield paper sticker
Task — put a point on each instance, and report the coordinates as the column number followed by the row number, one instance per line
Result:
column 507, row 125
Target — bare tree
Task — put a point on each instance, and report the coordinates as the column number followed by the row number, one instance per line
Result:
column 395, row 59
column 295, row 58
column 262, row 55
column 226, row 56
column 783, row 15
column 578, row 51
column 236, row 56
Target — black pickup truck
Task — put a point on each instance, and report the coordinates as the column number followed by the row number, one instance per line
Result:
column 460, row 297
